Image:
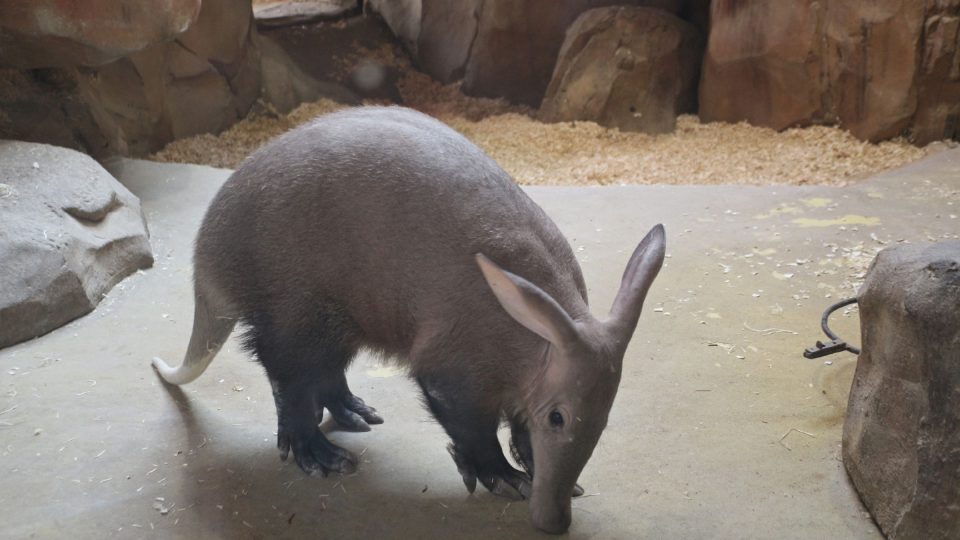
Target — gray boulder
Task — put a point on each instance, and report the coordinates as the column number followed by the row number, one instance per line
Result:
column 901, row 438
column 69, row 232
column 632, row 68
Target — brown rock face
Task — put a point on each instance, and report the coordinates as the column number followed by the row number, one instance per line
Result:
column 759, row 64
column 871, row 65
column 879, row 69
column 901, row 438
column 516, row 46
column 938, row 107
column 628, row 67
column 501, row 48
column 203, row 81
column 52, row 33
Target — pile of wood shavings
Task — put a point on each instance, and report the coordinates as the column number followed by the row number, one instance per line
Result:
column 584, row 153
column 229, row 148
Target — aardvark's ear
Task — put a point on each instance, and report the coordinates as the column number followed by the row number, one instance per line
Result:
column 528, row 304
column 637, row 278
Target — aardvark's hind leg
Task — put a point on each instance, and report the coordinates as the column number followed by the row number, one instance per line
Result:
column 299, row 413
column 306, row 375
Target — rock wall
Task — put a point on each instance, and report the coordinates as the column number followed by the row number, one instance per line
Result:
column 111, row 77
column 51, row 33
column 501, row 48
column 178, row 74
column 879, row 69
column 938, row 88
column 203, row 81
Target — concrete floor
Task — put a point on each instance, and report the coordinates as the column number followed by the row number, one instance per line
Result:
column 94, row 447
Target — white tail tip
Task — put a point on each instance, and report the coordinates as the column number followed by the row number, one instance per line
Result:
column 176, row 375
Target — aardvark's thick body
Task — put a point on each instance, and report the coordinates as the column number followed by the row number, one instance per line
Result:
column 382, row 228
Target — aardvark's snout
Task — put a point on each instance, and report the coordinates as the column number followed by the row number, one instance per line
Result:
column 550, row 512
column 551, row 518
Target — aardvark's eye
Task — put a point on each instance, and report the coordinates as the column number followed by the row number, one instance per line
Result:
column 556, row 419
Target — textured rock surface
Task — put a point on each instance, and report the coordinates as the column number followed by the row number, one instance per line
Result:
column 203, row 81
column 437, row 33
column 770, row 79
column 283, row 13
column 501, row 48
column 516, row 46
column 632, row 68
column 52, row 33
column 402, row 16
column 879, row 69
column 68, row 233
column 345, row 76
column 938, row 106
column 901, row 438
column 285, row 85
column 446, row 37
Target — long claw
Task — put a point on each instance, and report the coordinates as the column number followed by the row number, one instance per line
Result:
column 467, row 471
column 469, row 480
column 348, row 419
column 526, row 488
column 308, row 464
column 284, row 445
column 499, row 478
column 500, row 487
column 314, row 453
column 357, row 405
column 521, row 485
column 508, row 482
column 577, row 490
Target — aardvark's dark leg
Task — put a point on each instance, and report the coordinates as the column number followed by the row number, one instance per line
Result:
column 306, row 372
column 473, row 429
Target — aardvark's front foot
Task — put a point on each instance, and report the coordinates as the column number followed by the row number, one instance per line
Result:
column 495, row 474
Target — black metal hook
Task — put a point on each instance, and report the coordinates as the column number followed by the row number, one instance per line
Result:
column 835, row 344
